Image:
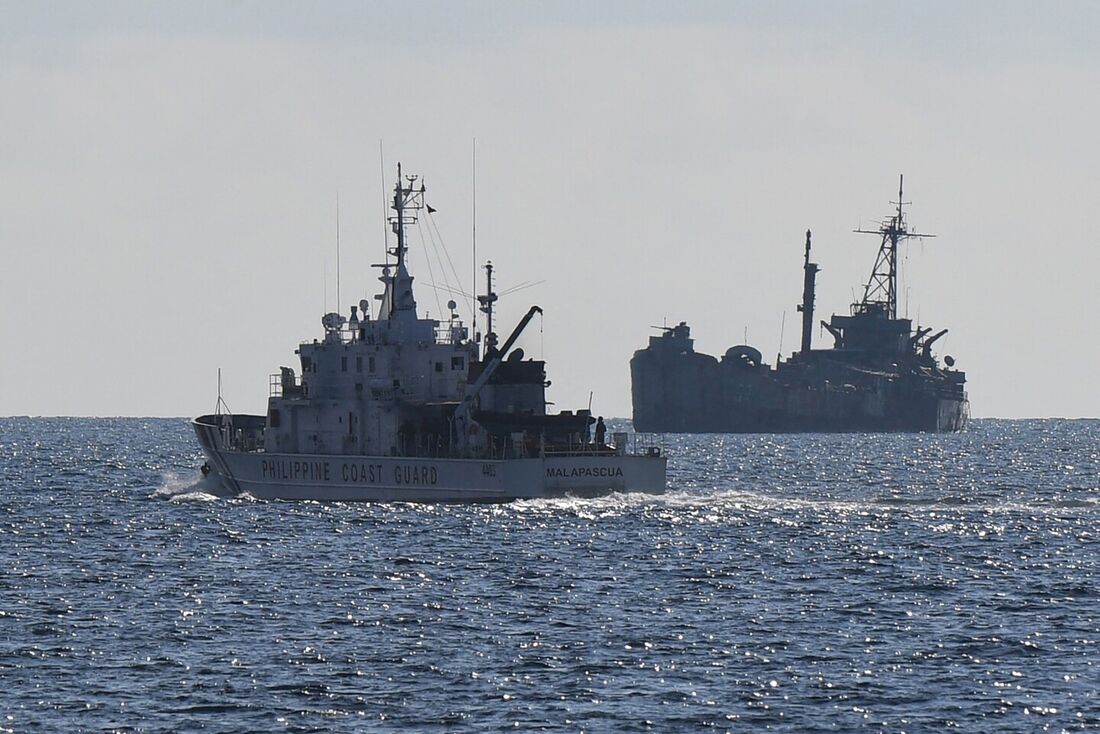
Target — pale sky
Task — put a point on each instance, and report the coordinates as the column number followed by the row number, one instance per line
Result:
column 168, row 177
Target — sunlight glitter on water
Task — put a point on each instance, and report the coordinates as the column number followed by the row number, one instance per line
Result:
column 791, row 583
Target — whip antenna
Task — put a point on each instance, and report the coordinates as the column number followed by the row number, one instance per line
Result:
column 473, row 233
column 338, row 306
column 385, row 210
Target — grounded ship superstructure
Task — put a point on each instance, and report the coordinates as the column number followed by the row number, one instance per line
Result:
column 399, row 407
column 879, row 375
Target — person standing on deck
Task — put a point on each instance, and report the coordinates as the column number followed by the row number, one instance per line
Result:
column 601, row 432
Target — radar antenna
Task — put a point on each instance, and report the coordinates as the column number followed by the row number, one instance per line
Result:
column 881, row 294
column 408, row 200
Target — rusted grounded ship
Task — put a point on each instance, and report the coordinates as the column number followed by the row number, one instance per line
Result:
column 879, row 375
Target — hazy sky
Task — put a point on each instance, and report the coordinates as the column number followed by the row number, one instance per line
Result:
column 168, row 176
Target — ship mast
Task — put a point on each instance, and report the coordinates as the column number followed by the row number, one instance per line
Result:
column 881, row 294
column 487, row 302
column 408, row 200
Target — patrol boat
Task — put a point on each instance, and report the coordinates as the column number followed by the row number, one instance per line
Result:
column 402, row 408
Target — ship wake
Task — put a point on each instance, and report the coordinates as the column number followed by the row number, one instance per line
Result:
column 721, row 500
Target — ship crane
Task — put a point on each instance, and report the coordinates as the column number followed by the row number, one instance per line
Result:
column 920, row 333
column 926, row 348
column 462, row 418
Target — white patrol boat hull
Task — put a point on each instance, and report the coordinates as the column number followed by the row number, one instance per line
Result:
column 342, row 478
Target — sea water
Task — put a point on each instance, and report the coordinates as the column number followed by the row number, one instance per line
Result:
column 792, row 583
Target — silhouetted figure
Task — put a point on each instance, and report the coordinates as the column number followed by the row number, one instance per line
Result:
column 601, row 432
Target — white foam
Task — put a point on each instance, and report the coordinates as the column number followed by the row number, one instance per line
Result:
column 190, row 488
column 193, row 497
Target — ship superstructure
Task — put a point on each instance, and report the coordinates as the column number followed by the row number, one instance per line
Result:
column 879, row 375
column 399, row 407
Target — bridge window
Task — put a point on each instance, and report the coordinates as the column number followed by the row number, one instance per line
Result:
column 458, row 363
column 343, row 364
column 438, row 366
column 358, row 364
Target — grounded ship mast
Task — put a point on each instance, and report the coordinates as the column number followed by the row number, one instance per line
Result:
column 881, row 294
